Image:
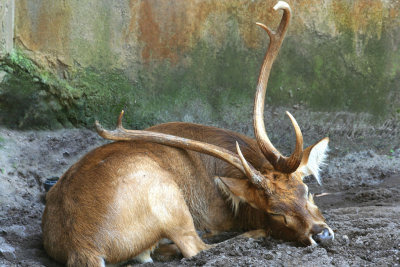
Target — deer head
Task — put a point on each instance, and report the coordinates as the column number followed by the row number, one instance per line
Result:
column 277, row 188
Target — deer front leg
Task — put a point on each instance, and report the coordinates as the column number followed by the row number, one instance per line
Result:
column 144, row 257
column 167, row 252
column 179, row 226
column 189, row 244
column 255, row 234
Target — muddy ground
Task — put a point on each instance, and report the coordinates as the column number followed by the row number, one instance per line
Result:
column 360, row 199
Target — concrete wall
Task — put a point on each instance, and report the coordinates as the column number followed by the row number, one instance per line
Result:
column 6, row 26
column 198, row 60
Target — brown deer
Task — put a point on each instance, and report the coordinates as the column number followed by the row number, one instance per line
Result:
column 120, row 199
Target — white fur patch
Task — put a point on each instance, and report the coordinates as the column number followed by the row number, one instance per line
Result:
column 235, row 200
column 316, row 160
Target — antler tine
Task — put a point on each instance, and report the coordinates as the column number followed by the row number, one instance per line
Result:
column 290, row 164
column 121, row 134
column 279, row 162
column 283, row 25
column 119, row 122
column 255, row 178
column 287, row 12
column 271, row 34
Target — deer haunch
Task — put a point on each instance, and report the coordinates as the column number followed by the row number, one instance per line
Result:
column 118, row 201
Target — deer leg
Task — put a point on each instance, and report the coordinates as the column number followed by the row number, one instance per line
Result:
column 174, row 217
column 144, row 257
column 167, row 252
column 255, row 234
column 189, row 243
column 184, row 235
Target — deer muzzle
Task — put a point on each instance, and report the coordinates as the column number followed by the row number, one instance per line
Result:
column 325, row 236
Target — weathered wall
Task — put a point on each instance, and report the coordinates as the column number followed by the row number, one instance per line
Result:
column 6, row 26
column 196, row 60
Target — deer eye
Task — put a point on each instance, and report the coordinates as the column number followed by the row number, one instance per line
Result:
column 279, row 216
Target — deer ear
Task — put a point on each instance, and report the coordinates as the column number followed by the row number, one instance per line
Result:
column 313, row 159
column 238, row 190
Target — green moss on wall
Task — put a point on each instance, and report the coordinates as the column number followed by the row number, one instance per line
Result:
column 214, row 83
column 31, row 97
column 330, row 74
column 326, row 74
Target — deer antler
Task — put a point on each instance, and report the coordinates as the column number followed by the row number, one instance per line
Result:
column 122, row 134
column 280, row 162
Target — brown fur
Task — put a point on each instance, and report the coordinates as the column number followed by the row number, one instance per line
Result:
column 122, row 198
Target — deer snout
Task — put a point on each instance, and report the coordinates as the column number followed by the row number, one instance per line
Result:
column 325, row 235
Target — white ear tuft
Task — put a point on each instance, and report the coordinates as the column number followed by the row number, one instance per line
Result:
column 235, row 200
column 316, row 159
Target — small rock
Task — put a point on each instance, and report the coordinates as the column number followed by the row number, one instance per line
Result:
column 18, row 230
column 346, row 239
column 7, row 251
column 8, row 255
column 359, row 242
column 370, row 153
column 269, row 256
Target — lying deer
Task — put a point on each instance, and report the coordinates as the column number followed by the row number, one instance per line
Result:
column 120, row 199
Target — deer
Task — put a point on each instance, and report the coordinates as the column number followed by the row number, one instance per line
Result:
column 174, row 179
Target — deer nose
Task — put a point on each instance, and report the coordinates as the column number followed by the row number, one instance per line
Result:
column 326, row 235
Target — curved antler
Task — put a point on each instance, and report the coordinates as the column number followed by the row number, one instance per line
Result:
column 280, row 162
column 122, row 134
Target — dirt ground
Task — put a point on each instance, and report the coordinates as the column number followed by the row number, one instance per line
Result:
column 360, row 199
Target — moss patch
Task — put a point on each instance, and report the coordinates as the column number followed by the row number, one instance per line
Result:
column 31, row 97
column 214, row 80
column 326, row 74
column 331, row 74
